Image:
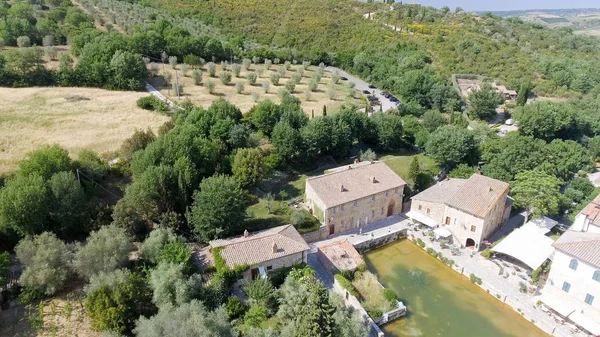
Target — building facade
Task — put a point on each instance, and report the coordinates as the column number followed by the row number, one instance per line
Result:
column 354, row 196
column 472, row 209
column 573, row 286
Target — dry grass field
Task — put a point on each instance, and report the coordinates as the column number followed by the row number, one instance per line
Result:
column 75, row 118
column 200, row 95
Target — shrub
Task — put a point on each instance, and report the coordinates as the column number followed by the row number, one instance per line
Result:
column 255, row 96
column 210, row 86
column 307, row 95
column 23, row 42
column 268, row 64
column 275, row 78
column 152, row 103
column 475, row 279
column 184, row 69
column 431, row 251
column 487, row 253
column 173, row 61
column 235, row 69
column 197, row 76
column 290, row 86
column 313, row 85
column 391, row 296
column 255, row 316
column 193, row 60
column 346, row 284
column 246, row 64
column 374, row 312
column 296, row 78
column 420, row 243
column 265, row 86
column 260, row 71
column 287, row 65
column 239, row 87
column 251, row 77
column 331, row 93
column 235, row 307
column 281, row 71
column 225, row 77
column 212, row 69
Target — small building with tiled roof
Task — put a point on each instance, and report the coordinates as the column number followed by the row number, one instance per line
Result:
column 263, row 251
column 573, row 286
column 471, row 209
column 354, row 195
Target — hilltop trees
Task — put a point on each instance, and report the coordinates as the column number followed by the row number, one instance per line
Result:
column 450, row 145
column 537, row 191
column 218, row 209
column 484, row 101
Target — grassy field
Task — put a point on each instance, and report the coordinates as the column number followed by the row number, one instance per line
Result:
column 400, row 163
column 75, row 118
column 200, row 95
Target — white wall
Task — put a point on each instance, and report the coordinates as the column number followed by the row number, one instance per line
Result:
column 581, row 279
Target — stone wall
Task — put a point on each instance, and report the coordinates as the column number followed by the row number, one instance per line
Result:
column 380, row 241
column 320, row 234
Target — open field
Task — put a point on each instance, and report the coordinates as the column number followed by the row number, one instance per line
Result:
column 94, row 119
column 199, row 95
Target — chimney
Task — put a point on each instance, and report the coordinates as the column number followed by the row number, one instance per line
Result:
column 342, row 188
column 356, row 161
column 349, row 167
column 275, row 249
column 246, row 233
column 372, row 179
column 489, row 188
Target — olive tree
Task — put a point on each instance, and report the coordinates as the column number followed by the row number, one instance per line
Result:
column 106, row 250
column 225, row 77
column 46, row 260
column 251, row 77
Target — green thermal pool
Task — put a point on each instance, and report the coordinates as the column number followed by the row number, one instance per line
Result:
column 441, row 302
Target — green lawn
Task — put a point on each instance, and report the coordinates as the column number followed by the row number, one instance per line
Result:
column 400, row 163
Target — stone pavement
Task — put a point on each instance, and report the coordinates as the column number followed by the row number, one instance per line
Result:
column 493, row 274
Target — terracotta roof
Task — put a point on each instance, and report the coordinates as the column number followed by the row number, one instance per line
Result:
column 592, row 210
column 582, row 245
column 342, row 255
column 356, row 182
column 261, row 246
column 441, row 191
column 478, row 195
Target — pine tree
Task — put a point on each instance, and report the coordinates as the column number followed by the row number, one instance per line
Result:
column 324, row 110
column 413, row 172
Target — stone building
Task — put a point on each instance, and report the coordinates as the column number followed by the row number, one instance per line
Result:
column 472, row 209
column 355, row 195
column 263, row 251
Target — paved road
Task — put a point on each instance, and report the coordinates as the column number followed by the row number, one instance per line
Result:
column 362, row 85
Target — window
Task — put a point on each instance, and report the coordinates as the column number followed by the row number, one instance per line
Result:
column 386, row 193
column 473, row 228
column 420, row 207
column 372, row 214
column 342, row 223
column 589, row 299
column 269, row 267
column 354, row 203
column 396, row 190
column 341, row 208
column 566, row 286
column 381, row 210
column 455, row 221
column 333, row 211
column 428, row 211
column 596, row 276
column 373, row 197
column 573, row 264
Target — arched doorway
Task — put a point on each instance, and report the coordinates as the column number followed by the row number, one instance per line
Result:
column 390, row 210
column 470, row 243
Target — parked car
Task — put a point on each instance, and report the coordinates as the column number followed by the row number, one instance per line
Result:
column 366, row 92
column 393, row 99
column 344, row 78
column 372, row 98
column 385, row 94
column 372, row 86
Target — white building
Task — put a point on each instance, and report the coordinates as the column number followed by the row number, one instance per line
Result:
column 573, row 287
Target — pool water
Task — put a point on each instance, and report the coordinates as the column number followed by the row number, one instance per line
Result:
column 440, row 301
